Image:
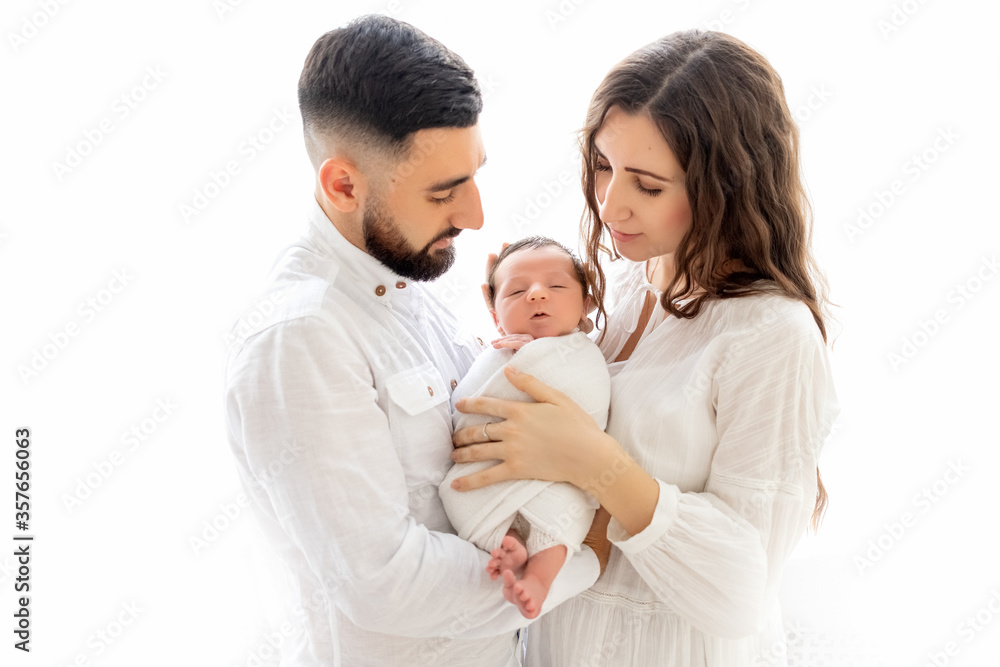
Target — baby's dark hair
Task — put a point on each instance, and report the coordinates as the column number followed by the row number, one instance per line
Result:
column 530, row 243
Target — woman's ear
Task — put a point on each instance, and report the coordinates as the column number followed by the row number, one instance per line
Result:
column 342, row 184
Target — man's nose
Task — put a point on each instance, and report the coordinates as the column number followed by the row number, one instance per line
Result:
column 471, row 214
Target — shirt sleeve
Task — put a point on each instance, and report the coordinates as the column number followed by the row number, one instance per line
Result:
column 342, row 499
column 717, row 556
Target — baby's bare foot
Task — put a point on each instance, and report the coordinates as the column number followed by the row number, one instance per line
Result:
column 528, row 593
column 510, row 556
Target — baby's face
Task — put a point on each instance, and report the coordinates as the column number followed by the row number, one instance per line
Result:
column 538, row 293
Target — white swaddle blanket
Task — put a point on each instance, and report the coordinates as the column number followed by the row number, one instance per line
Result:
column 574, row 365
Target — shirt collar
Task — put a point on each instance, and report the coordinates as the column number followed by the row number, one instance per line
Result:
column 371, row 275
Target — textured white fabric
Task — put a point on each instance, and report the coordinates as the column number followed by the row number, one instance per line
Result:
column 338, row 416
column 728, row 411
column 574, row 365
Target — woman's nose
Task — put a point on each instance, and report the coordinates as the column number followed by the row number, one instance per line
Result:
column 612, row 203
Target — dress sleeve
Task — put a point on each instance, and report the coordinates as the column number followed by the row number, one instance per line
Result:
column 717, row 556
column 301, row 395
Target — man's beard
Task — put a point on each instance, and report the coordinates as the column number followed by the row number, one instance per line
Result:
column 386, row 243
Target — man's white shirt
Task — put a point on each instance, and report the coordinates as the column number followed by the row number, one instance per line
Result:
column 338, row 414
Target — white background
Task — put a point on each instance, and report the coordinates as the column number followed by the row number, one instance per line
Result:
column 870, row 96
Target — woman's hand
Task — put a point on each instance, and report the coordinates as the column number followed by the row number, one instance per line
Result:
column 552, row 440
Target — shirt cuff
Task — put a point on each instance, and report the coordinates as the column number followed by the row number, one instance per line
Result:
column 663, row 518
column 579, row 572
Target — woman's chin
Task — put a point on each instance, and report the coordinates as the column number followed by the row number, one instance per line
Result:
column 634, row 255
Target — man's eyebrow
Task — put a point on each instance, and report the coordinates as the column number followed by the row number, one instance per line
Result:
column 634, row 170
column 452, row 182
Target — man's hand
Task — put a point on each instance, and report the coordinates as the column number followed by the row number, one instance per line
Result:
column 491, row 259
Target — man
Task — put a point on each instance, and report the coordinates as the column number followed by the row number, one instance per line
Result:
column 338, row 404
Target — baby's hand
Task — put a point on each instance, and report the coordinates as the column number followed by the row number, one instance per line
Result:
column 513, row 341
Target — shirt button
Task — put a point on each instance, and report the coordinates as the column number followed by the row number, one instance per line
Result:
column 430, row 391
column 479, row 339
column 400, row 285
column 380, row 290
column 454, row 383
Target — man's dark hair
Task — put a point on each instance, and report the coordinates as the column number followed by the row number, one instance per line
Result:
column 377, row 80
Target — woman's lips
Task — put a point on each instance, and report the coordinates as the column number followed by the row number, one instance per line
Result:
column 621, row 237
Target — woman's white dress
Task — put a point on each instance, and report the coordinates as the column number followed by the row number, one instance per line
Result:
column 728, row 411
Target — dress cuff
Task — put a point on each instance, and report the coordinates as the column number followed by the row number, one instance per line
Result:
column 663, row 518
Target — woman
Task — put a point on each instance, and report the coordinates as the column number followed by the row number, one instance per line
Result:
column 721, row 390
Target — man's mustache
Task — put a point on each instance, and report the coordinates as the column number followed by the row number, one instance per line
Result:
column 447, row 234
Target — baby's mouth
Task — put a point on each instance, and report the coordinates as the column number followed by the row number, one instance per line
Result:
column 539, row 315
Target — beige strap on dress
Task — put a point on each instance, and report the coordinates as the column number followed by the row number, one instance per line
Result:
column 640, row 327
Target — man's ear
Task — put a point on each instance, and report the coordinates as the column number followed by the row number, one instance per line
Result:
column 342, row 184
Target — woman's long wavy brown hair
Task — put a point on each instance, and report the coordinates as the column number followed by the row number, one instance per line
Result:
column 721, row 108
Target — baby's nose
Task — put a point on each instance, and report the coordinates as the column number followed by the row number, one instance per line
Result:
column 537, row 292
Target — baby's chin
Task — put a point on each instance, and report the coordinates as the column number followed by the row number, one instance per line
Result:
column 548, row 330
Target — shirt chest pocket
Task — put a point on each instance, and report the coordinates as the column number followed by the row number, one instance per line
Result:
column 417, row 390
column 420, row 422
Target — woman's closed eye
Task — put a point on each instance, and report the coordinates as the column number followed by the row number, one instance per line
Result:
column 601, row 165
column 647, row 191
